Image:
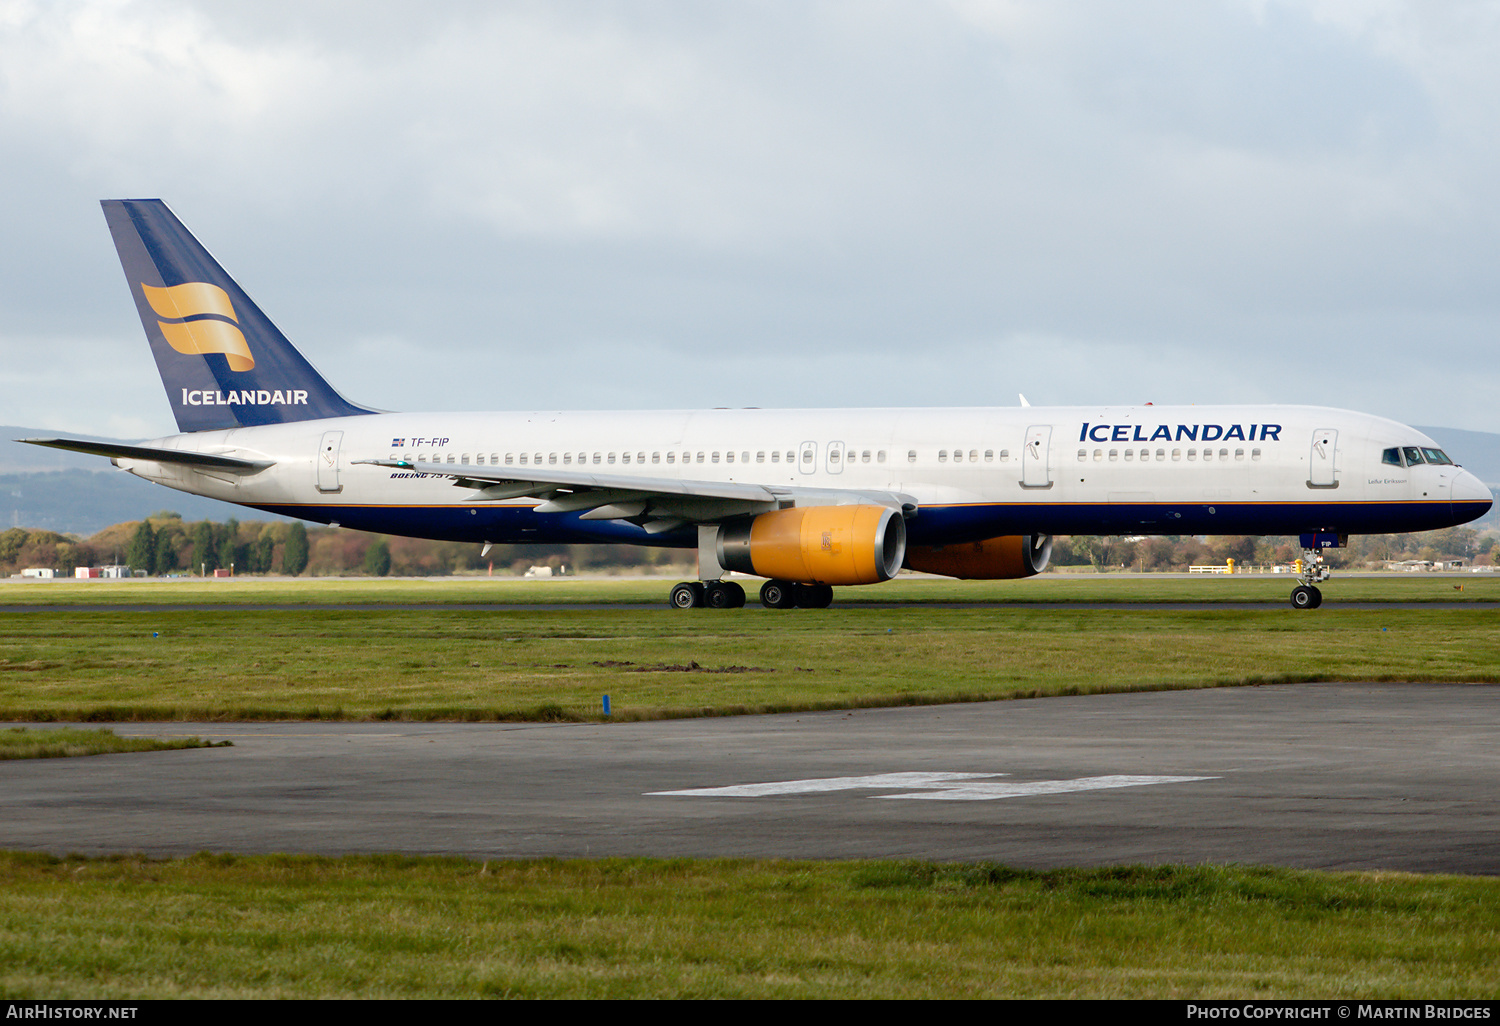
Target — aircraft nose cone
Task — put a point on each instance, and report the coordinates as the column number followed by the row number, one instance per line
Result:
column 1470, row 491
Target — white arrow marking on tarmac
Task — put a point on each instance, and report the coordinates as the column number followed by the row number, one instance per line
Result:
column 952, row 787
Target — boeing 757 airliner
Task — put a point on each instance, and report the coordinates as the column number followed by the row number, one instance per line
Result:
column 805, row 498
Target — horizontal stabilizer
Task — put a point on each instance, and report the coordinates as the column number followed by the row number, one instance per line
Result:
column 142, row 452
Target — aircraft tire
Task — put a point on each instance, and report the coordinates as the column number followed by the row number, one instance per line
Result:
column 687, row 595
column 778, row 594
column 813, row 596
column 1304, row 597
column 723, row 595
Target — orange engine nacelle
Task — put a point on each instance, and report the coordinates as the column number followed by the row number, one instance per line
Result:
column 994, row 559
column 817, row 544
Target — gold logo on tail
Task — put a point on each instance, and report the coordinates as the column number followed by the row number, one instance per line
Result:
column 199, row 299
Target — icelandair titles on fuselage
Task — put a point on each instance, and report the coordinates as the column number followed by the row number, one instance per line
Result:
column 245, row 397
column 1184, row 433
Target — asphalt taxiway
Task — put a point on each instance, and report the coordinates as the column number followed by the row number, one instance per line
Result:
column 1338, row 776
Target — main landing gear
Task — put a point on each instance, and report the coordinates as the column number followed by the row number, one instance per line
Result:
column 713, row 594
column 1310, row 571
column 729, row 595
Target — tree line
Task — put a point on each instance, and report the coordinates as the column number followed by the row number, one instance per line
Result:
column 164, row 543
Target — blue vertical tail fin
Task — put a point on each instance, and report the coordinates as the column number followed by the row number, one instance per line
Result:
column 223, row 362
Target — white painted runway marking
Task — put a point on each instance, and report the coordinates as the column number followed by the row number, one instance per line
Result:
column 947, row 787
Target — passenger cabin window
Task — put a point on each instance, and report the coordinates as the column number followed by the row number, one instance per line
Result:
column 671, row 457
column 880, row 456
column 1083, row 454
column 1255, row 454
column 911, row 455
column 942, row 455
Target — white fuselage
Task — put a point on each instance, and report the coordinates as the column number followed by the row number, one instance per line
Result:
column 973, row 472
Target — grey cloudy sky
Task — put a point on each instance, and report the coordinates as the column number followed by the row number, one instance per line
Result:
column 645, row 204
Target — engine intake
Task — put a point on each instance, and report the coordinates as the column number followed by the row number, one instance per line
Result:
column 817, row 544
column 994, row 559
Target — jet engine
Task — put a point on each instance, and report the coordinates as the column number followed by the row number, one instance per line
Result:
column 994, row 559
column 817, row 544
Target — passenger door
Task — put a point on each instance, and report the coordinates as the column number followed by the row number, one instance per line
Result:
column 1321, row 462
column 328, row 461
column 1035, row 456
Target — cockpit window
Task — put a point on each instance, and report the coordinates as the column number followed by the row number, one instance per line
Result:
column 1437, row 456
column 1413, row 455
column 1391, row 456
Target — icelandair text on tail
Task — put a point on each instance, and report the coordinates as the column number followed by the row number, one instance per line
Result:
column 244, row 397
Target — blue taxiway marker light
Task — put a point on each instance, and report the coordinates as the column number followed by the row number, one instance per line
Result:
column 606, row 705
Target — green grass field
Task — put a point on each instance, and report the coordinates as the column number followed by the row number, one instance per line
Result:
column 452, row 662
column 373, row 927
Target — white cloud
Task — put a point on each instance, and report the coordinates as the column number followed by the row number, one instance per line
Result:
column 688, row 204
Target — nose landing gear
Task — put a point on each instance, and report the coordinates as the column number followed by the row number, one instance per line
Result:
column 1311, row 571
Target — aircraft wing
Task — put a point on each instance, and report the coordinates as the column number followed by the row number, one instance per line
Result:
column 657, row 503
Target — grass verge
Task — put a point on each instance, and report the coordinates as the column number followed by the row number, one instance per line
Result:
column 382, row 927
column 65, row 742
column 1047, row 589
